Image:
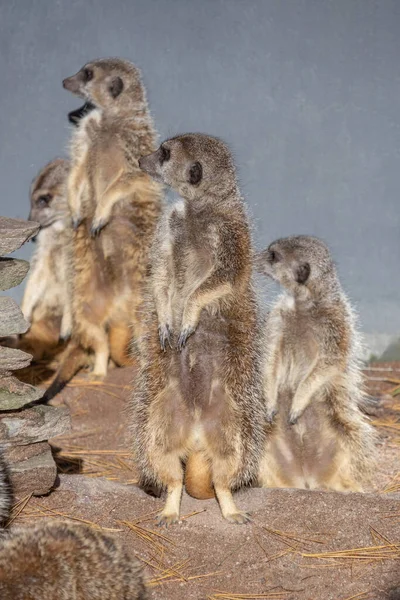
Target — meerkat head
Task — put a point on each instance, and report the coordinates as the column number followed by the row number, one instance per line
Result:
column 48, row 194
column 107, row 83
column 299, row 263
column 194, row 165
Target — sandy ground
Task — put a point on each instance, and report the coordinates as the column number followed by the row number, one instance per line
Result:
column 282, row 554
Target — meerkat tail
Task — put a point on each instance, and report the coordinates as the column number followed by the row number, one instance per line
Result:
column 74, row 359
column 198, row 482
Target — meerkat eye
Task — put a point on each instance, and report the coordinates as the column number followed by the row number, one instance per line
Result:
column 43, row 201
column 165, row 154
column 195, row 173
column 88, row 73
column 273, row 256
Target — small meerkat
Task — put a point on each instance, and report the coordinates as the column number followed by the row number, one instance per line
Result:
column 114, row 208
column 45, row 303
column 312, row 378
column 199, row 389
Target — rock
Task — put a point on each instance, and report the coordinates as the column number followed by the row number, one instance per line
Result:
column 14, row 394
column 12, row 272
column 32, row 469
column 11, row 318
column 12, row 359
column 14, row 232
column 33, row 425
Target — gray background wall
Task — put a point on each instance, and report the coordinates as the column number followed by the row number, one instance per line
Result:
column 305, row 91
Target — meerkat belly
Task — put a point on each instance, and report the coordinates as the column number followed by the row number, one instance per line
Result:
column 200, row 379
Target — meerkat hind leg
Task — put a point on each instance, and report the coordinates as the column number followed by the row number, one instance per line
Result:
column 171, row 471
column 221, row 471
column 229, row 510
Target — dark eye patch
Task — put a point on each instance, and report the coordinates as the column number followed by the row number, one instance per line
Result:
column 273, row 256
column 88, row 74
column 44, row 200
column 195, row 173
column 165, row 154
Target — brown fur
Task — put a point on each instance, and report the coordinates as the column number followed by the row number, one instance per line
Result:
column 199, row 389
column 114, row 207
column 67, row 561
column 312, row 383
column 46, row 298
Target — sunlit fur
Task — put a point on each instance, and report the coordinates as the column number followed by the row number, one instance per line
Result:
column 312, row 378
column 199, row 389
column 114, row 208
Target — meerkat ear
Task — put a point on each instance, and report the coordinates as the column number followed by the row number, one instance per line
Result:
column 116, row 87
column 302, row 272
column 195, row 173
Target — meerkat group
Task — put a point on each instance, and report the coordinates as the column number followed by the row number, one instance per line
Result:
column 225, row 396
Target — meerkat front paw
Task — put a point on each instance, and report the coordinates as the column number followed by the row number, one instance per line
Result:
column 76, row 221
column 294, row 416
column 165, row 333
column 184, row 336
column 98, row 224
column 270, row 414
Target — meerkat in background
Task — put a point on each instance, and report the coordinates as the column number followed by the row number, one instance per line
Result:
column 312, row 379
column 199, row 388
column 114, row 208
column 45, row 303
column 56, row 559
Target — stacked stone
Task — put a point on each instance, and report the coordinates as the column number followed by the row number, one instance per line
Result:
column 25, row 427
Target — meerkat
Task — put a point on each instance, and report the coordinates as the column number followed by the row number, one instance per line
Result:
column 114, row 208
column 57, row 559
column 45, row 303
column 199, row 388
column 70, row 561
column 312, row 379
column 6, row 496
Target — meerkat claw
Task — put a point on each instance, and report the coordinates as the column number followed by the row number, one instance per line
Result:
column 270, row 415
column 76, row 221
column 184, row 336
column 164, row 333
column 238, row 518
column 96, row 228
column 293, row 418
column 167, row 520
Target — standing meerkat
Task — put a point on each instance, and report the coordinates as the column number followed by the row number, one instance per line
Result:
column 312, row 379
column 114, row 208
column 199, row 389
column 45, row 303
column 57, row 559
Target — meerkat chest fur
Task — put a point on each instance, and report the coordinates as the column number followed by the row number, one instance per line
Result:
column 293, row 339
column 192, row 258
column 83, row 135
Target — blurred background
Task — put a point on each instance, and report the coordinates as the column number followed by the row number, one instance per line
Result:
column 306, row 92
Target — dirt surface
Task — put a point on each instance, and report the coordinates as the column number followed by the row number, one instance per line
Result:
column 281, row 554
